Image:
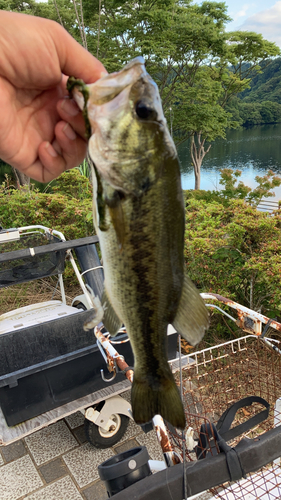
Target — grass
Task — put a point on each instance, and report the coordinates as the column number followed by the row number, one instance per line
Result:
column 34, row 292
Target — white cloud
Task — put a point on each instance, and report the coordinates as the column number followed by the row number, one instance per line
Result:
column 242, row 12
column 266, row 22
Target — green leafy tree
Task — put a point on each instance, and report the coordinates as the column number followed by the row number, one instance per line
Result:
column 197, row 65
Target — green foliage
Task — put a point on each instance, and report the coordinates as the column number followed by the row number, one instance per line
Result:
column 85, row 169
column 68, row 209
column 185, row 45
column 232, row 190
column 261, row 101
column 232, row 249
column 235, row 251
column 196, row 64
column 237, row 190
column 255, row 113
column 265, row 86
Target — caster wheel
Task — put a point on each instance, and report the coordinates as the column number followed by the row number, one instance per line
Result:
column 101, row 438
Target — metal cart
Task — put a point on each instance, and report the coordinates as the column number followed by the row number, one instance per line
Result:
column 232, row 398
column 50, row 366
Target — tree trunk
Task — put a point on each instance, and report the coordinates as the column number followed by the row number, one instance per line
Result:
column 197, row 154
column 21, row 179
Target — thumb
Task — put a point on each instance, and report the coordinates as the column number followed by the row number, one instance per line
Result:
column 74, row 59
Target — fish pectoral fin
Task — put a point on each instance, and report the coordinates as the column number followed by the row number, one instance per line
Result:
column 97, row 314
column 192, row 318
column 110, row 320
column 160, row 397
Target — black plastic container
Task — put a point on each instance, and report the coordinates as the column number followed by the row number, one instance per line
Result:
column 50, row 364
column 124, row 469
column 53, row 363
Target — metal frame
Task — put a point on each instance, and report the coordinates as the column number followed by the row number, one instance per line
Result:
column 185, row 479
column 43, row 249
column 248, row 320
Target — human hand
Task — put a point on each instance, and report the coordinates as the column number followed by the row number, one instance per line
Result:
column 42, row 131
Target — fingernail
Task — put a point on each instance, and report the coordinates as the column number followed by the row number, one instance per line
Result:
column 70, row 107
column 51, row 150
column 69, row 132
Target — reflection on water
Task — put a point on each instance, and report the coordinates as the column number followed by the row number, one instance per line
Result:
column 254, row 151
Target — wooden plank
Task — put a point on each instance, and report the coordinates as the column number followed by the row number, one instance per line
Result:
column 10, row 434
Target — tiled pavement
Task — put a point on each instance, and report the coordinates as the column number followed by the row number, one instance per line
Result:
column 57, row 462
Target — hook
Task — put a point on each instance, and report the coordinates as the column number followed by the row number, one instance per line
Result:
column 108, row 379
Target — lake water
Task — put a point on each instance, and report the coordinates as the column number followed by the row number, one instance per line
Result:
column 253, row 151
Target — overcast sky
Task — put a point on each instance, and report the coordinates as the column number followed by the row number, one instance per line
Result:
column 259, row 16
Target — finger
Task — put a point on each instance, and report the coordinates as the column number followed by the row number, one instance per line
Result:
column 75, row 60
column 48, row 166
column 71, row 144
column 69, row 112
column 73, row 151
column 57, row 147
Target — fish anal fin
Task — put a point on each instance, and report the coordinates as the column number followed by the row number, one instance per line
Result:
column 110, row 320
column 149, row 399
column 192, row 318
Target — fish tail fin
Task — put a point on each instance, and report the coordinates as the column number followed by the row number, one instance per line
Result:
column 160, row 397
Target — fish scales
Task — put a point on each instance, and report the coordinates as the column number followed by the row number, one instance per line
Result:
column 139, row 218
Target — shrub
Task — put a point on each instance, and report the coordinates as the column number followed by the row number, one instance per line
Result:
column 68, row 209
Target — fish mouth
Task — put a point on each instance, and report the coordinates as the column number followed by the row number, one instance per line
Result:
column 110, row 86
column 132, row 78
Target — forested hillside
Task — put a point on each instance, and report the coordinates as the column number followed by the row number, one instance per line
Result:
column 266, row 86
column 261, row 102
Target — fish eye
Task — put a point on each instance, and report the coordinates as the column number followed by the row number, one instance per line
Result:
column 145, row 112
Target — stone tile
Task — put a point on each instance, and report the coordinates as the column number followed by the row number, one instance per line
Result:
column 64, row 489
column 96, row 492
column 53, row 470
column 153, row 447
column 83, row 463
column 127, row 445
column 51, row 442
column 18, row 478
column 132, row 430
column 75, row 420
column 13, row 451
column 206, row 496
column 126, row 395
column 80, row 435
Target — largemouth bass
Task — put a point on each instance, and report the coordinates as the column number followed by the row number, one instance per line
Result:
column 139, row 218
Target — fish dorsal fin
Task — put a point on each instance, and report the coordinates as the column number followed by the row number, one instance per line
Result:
column 110, row 319
column 192, row 318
